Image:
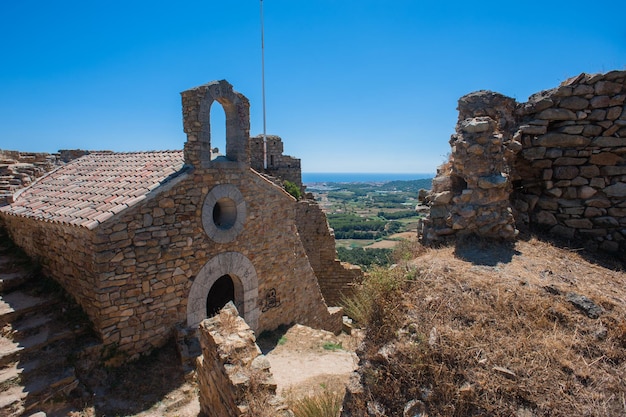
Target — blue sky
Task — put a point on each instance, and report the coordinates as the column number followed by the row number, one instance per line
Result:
column 351, row 86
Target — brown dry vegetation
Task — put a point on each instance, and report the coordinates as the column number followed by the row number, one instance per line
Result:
column 488, row 329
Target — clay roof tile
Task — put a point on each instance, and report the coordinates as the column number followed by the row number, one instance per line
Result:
column 92, row 189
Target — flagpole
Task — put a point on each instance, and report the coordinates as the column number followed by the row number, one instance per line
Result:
column 263, row 89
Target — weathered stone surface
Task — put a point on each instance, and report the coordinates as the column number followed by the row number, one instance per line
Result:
column 605, row 158
column 585, row 305
column 537, row 152
column 597, row 115
column 492, row 181
column 570, row 161
column 230, row 361
column 566, row 172
column 599, row 101
column 579, row 223
column 574, row 103
column 616, row 190
column 557, row 114
column 586, row 192
column 613, row 171
column 533, row 129
column 562, row 140
column 546, row 218
column 609, row 141
column 476, row 125
column 608, row 87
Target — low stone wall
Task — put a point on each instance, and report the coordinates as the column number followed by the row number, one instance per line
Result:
column 234, row 379
column 558, row 163
column 335, row 278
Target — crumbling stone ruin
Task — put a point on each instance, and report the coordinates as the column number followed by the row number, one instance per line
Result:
column 554, row 163
column 150, row 241
column 234, row 378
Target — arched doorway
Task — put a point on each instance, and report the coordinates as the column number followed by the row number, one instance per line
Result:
column 240, row 272
column 222, row 291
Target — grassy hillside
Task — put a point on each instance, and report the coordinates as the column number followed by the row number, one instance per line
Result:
column 492, row 329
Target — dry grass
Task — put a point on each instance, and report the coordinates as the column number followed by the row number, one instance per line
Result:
column 487, row 329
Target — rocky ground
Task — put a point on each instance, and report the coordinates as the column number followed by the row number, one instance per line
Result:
column 483, row 328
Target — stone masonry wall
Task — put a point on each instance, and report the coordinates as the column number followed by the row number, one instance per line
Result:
column 234, row 378
column 471, row 193
column 65, row 253
column 278, row 165
column 335, row 278
column 149, row 256
column 564, row 163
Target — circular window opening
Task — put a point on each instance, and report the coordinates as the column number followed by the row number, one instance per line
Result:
column 222, row 291
column 225, row 213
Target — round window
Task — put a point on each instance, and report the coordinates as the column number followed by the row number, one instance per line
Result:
column 223, row 213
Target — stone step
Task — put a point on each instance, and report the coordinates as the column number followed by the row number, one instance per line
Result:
column 32, row 392
column 11, row 348
column 12, row 280
column 17, row 304
column 29, row 325
column 10, row 375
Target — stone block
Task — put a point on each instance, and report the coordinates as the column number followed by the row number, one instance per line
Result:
column 599, row 101
column 616, row 190
column 574, row 103
column 562, row 140
column 606, row 221
column 586, row 192
column 546, row 218
column 570, row 161
column 537, row 152
column 566, row 172
column 608, row 88
column 605, row 158
column 597, row 115
column 579, row 223
column 533, row 129
column 563, row 231
column 557, row 114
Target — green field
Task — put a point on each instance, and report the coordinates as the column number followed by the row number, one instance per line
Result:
column 373, row 216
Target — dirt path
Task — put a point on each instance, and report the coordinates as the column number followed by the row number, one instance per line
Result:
column 305, row 361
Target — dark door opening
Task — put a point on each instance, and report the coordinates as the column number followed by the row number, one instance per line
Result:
column 222, row 291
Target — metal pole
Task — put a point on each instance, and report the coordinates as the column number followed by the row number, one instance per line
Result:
column 263, row 88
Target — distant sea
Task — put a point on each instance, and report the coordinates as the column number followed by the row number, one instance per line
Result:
column 321, row 177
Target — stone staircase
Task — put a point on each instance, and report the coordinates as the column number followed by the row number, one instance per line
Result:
column 42, row 333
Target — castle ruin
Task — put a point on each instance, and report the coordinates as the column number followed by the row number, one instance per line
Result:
column 555, row 163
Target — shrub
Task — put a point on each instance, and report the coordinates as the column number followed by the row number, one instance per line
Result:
column 377, row 304
column 324, row 404
column 293, row 189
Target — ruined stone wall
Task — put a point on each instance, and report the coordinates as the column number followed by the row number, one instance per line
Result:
column 234, row 379
column 470, row 195
column 281, row 166
column 571, row 175
column 21, row 169
column 562, row 162
column 335, row 278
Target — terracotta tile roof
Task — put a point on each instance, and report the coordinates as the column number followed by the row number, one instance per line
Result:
column 95, row 187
